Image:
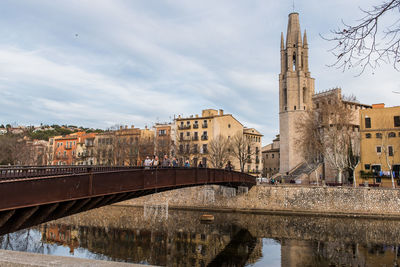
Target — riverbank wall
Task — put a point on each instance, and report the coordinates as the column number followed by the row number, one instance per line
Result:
column 282, row 199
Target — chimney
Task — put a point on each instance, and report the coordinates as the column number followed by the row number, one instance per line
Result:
column 221, row 112
column 132, row 126
column 120, row 127
column 126, row 126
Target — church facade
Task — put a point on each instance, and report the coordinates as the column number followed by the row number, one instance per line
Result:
column 297, row 98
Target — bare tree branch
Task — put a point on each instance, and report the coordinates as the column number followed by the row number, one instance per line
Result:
column 370, row 42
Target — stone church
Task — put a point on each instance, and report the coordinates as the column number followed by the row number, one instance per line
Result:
column 296, row 97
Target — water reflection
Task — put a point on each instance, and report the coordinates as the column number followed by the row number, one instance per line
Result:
column 123, row 234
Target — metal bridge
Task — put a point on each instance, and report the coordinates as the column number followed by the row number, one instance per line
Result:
column 33, row 195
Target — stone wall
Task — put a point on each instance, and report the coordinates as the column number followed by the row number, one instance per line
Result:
column 284, row 198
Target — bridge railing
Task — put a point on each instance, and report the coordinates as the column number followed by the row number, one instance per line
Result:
column 20, row 172
column 26, row 172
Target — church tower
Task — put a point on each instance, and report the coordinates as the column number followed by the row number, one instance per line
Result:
column 296, row 88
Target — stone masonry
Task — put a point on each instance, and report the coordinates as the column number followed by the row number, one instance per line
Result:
column 284, row 198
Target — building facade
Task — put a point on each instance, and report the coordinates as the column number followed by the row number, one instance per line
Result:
column 254, row 161
column 195, row 134
column 380, row 145
column 296, row 88
column 270, row 158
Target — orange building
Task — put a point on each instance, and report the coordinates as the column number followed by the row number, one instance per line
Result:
column 64, row 152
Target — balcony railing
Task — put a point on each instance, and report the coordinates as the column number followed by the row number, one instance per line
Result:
column 184, row 139
column 195, row 126
column 195, row 138
column 205, row 151
column 205, row 125
column 184, row 127
column 257, row 161
column 204, row 137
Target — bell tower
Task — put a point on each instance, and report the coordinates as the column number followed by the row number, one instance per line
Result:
column 296, row 88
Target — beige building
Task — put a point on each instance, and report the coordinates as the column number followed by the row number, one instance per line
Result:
column 254, row 161
column 164, row 139
column 194, row 134
column 380, row 145
column 126, row 146
column 85, row 150
column 270, row 158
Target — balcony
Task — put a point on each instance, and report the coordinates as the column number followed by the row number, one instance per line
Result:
column 249, row 160
column 205, row 125
column 61, row 157
column 195, row 138
column 204, row 137
column 205, row 151
column 184, row 127
column 184, row 139
column 257, row 161
column 68, row 147
column 195, row 126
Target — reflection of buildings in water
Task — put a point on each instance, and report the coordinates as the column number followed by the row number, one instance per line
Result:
column 61, row 235
column 181, row 248
column 317, row 253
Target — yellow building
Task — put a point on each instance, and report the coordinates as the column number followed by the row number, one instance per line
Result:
column 194, row 134
column 380, row 145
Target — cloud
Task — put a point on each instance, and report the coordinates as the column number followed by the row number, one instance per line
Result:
column 139, row 62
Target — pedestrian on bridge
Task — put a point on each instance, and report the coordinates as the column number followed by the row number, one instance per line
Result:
column 166, row 162
column 147, row 163
column 187, row 164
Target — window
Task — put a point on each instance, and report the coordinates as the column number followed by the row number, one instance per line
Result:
column 273, row 155
column 368, row 135
column 390, row 151
column 378, row 149
column 379, row 135
column 392, row 134
column 162, row 132
column 367, row 166
column 367, row 122
column 396, row 121
column 188, row 134
column 229, row 126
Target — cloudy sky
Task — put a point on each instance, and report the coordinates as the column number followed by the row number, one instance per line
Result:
column 99, row 63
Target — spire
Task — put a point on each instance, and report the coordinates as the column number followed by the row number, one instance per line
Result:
column 282, row 42
column 293, row 29
column 299, row 39
column 305, row 39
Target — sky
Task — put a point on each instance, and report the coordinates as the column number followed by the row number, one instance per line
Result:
column 100, row 63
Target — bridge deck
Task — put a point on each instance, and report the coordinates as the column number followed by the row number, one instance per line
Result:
column 29, row 196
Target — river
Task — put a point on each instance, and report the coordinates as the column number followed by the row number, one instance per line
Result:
column 178, row 238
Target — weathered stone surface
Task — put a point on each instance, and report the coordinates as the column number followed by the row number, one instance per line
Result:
column 24, row 259
column 328, row 200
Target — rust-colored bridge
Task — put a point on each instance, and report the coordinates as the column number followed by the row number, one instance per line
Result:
column 33, row 195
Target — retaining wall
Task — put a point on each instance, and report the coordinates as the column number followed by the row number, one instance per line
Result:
column 300, row 199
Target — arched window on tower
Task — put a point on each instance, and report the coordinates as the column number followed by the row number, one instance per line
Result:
column 294, row 61
column 302, row 60
column 304, row 95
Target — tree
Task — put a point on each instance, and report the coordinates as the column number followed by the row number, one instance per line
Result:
column 219, row 151
column 367, row 45
column 328, row 134
column 241, row 149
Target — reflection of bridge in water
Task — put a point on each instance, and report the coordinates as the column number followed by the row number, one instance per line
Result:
column 32, row 195
column 182, row 240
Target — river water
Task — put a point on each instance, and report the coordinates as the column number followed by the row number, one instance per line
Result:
column 178, row 238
